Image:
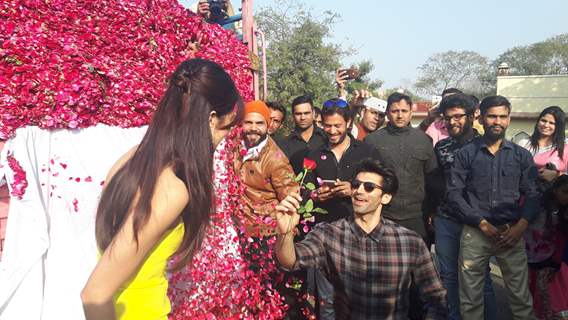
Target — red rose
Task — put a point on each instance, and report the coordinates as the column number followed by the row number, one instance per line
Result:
column 309, row 164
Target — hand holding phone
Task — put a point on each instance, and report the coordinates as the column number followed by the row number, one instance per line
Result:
column 328, row 183
column 342, row 188
column 324, row 192
column 352, row 73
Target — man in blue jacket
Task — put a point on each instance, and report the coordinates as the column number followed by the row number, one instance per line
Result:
column 489, row 177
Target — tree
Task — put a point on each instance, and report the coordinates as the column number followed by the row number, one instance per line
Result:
column 546, row 57
column 467, row 70
column 300, row 59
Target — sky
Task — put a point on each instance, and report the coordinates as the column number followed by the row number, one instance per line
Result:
column 399, row 36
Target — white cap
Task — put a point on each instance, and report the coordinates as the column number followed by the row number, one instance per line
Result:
column 376, row 104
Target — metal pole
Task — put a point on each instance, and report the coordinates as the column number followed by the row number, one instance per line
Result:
column 264, row 73
column 249, row 38
column 248, row 21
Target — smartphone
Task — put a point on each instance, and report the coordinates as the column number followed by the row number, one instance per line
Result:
column 352, row 73
column 328, row 183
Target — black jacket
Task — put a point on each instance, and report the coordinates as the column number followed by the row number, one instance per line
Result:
column 328, row 168
column 296, row 149
column 409, row 152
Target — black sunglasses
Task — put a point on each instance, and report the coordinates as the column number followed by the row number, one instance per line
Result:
column 367, row 185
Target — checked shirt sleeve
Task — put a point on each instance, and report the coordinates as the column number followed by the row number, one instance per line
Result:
column 310, row 252
column 430, row 286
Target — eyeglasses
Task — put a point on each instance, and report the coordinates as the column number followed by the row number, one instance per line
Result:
column 340, row 103
column 455, row 117
column 367, row 185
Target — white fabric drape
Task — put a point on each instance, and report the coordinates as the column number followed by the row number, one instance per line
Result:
column 50, row 247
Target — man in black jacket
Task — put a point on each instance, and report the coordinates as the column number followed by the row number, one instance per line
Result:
column 305, row 137
column 336, row 161
column 409, row 152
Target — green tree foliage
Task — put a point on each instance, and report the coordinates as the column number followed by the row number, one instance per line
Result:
column 467, row 70
column 299, row 56
column 546, row 57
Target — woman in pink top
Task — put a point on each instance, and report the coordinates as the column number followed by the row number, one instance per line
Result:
column 547, row 145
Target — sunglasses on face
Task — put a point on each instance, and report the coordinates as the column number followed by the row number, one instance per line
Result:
column 367, row 185
column 335, row 103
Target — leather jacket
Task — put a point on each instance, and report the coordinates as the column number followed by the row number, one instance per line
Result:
column 268, row 178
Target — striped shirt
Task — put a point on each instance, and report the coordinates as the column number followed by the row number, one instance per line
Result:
column 371, row 273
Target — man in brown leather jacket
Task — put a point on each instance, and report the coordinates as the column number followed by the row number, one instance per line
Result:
column 264, row 170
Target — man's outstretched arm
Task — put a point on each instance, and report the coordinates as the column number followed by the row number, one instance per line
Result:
column 287, row 218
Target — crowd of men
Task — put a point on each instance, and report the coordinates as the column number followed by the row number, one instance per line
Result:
column 392, row 190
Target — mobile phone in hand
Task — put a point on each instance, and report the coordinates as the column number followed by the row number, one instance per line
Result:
column 352, row 73
column 328, row 183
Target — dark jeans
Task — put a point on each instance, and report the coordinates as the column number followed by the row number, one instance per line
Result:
column 448, row 235
column 324, row 294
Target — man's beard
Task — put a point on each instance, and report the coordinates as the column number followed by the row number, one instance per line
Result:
column 252, row 145
column 341, row 139
column 464, row 130
column 494, row 137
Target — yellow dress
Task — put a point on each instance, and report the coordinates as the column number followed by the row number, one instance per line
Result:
column 145, row 296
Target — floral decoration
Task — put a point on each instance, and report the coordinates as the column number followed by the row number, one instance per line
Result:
column 73, row 63
column 220, row 283
column 19, row 182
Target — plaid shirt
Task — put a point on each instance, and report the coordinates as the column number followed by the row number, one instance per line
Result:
column 371, row 273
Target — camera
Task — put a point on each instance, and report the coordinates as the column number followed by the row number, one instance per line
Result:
column 218, row 10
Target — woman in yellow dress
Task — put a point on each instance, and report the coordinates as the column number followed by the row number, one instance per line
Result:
column 158, row 196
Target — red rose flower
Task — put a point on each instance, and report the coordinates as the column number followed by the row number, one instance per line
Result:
column 309, row 164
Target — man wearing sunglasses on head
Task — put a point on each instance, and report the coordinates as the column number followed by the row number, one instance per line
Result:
column 335, row 161
column 369, row 260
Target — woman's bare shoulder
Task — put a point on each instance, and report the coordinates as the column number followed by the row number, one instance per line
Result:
column 171, row 195
column 172, row 184
column 121, row 162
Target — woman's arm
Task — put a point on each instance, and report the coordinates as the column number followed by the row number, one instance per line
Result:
column 123, row 257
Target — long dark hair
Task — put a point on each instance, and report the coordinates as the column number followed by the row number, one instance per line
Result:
column 178, row 136
column 548, row 200
column 559, row 136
